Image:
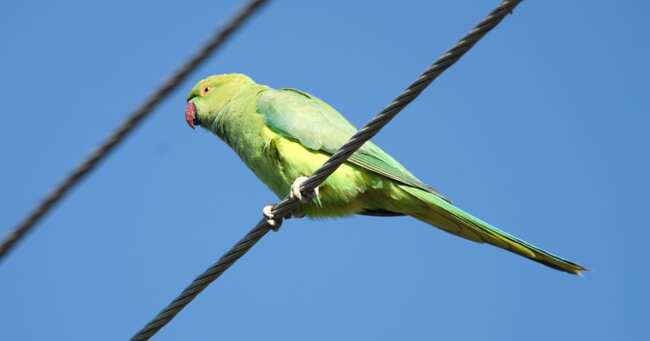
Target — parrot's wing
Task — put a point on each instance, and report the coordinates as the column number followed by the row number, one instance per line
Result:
column 302, row 117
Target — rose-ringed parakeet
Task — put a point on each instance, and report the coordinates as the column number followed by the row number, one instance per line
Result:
column 284, row 135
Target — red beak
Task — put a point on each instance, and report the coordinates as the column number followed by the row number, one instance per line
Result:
column 190, row 114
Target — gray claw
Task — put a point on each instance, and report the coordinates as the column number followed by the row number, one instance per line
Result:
column 270, row 217
column 295, row 190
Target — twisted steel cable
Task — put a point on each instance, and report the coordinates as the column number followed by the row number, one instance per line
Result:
column 126, row 128
column 287, row 205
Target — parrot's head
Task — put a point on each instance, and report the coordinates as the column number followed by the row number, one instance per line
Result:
column 210, row 95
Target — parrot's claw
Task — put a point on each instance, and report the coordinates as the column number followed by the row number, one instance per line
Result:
column 295, row 190
column 273, row 222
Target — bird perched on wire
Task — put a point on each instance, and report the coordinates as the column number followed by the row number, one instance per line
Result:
column 284, row 135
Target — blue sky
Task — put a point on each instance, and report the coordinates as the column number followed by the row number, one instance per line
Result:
column 541, row 130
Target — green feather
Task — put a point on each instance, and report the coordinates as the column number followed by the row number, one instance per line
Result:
column 284, row 134
column 307, row 119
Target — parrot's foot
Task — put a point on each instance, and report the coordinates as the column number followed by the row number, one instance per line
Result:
column 295, row 190
column 273, row 222
column 276, row 222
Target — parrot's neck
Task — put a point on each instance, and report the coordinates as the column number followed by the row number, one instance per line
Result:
column 237, row 119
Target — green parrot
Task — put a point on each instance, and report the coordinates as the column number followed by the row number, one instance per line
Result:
column 284, row 135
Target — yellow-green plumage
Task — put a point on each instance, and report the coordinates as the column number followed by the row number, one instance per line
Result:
column 284, row 134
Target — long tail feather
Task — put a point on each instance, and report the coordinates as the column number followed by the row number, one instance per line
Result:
column 442, row 214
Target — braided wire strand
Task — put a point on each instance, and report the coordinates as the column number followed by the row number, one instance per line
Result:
column 287, row 205
column 201, row 282
column 127, row 127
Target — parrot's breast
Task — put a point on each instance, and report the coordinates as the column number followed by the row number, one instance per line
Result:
column 349, row 190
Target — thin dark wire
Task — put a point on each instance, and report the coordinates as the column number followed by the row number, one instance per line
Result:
column 287, row 205
column 126, row 128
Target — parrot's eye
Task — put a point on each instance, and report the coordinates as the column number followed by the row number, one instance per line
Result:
column 205, row 90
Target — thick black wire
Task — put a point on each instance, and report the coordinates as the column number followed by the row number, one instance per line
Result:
column 287, row 205
column 127, row 127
